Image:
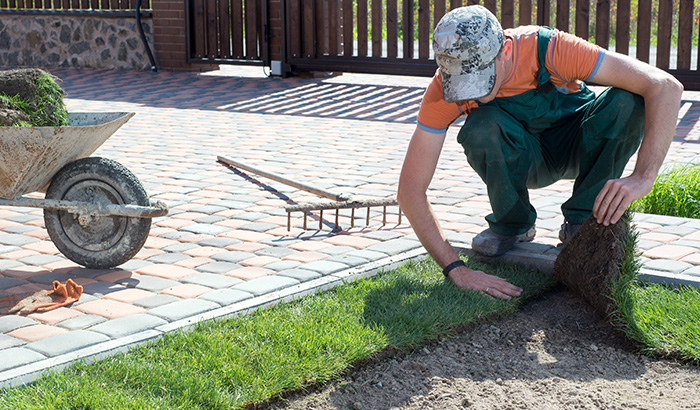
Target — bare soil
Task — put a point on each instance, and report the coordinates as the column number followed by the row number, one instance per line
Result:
column 556, row 353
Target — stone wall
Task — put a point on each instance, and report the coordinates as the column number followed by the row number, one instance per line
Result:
column 83, row 41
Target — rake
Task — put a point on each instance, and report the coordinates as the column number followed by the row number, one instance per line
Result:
column 340, row 201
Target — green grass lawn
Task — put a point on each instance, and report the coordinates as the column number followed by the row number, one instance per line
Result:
column 231, row 363
column 676, row 192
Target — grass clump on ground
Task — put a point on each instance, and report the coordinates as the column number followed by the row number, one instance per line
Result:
column 676, row 192
column 663, row 320
column 233, row 363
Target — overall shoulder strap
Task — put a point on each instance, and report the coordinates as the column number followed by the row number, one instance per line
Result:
column 543, row 36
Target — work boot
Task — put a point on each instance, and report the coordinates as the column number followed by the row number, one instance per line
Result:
column 490, row 243
column 567, row 231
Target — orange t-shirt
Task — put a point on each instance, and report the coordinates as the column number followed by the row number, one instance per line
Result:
column 569, row 60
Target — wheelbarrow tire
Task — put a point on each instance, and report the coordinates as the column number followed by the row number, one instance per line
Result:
column 105, row 241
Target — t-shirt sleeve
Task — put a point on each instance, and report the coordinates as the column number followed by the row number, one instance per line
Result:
column 572, row 58
column 435, row 114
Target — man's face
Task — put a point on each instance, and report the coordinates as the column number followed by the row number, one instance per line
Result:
column 500, row 75
column 502, row 71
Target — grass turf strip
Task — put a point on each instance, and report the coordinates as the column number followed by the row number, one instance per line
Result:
column 664, row 321
column 231, row 363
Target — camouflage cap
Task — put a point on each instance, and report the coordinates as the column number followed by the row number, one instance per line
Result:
column 466, row 42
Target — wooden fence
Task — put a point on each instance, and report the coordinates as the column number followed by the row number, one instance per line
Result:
column 370, row 35
column 73, row 4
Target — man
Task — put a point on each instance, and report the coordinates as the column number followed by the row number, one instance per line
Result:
column 532, row 121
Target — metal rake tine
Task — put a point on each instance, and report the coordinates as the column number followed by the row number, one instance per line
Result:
column 320, row 220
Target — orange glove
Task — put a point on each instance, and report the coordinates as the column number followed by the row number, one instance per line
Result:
column 45, row 300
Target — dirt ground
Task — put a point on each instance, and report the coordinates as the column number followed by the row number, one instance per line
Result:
column 554, row 354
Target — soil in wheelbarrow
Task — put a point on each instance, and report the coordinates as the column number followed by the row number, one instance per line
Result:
column 556, row 353
column 31, row 97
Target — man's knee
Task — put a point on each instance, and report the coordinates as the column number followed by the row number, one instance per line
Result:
column 482, row 130
column 628, row 107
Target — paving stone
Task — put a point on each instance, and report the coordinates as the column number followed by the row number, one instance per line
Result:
column 182, row 309
column 692, row 244
column 347, row 260
column 102, row 288
column 645, row 244
column 128, row 325
column 66, row 342
column 18, row 356
column 275, row 252
column 176, row 235
column 676, row 230
column 212, row 219
column 302, row 275
column 9, row 323
column 84, row 298
column 206, row 229
column 325, row 267
column 382, row 235
column 180, row 247
column 218, row 267
column 667, row 266
column 367, row 254
column 395, row 246
column 81, row 322
column 148, row 282
column 282, row 265
column 337, row 250
column 49, row 278
column 41, row 260
column 235, row 204
column 225, row 297
column 155, row 301
column 135, row 264
column 168, row 258
column 694, row 271
column 232, row 256
column 664, row 220
column 7, row 342
column 280, row 241
column 266, row 284
column 6, row 283
column 219, row 242
column 17, row 240
column 258, row 227
column 211, row 280
column 209, row 209
column 20, row 229
column 251, row 216
column 23, row 218
column 6, row 249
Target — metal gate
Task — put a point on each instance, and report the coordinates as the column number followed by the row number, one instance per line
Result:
column 227, row 32
column 394, row 36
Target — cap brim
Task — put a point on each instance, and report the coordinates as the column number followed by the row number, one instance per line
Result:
column 469, row 86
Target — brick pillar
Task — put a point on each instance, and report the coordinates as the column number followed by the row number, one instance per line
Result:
column 275, row 10
column 169, row 37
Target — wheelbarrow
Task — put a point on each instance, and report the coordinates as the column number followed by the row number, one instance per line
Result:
column 96, row 211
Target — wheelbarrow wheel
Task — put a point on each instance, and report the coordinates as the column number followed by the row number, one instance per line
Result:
column 103, row 241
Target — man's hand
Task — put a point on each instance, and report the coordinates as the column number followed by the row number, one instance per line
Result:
column 617, row 195
column 465, row 278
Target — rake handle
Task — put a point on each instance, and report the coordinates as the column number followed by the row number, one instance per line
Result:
column 279, row 178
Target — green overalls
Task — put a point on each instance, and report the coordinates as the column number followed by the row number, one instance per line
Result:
column 533, row 139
